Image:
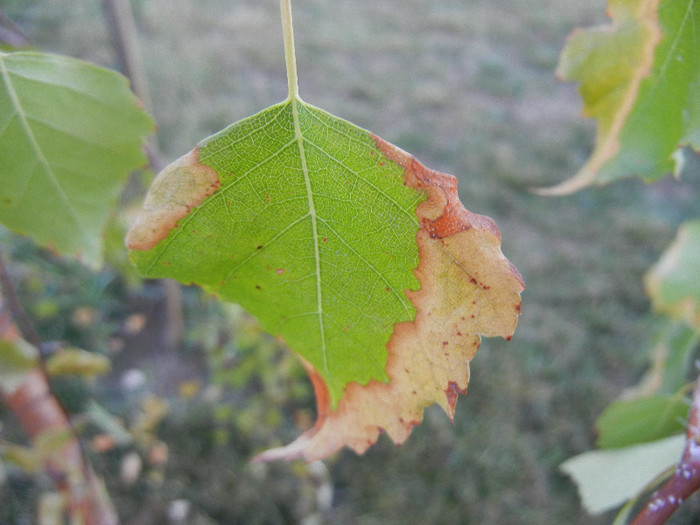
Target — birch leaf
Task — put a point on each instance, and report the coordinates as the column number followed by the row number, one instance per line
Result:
column 359, row 257
column 639, row 78
column 70, row 134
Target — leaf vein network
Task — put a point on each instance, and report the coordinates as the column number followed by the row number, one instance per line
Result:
column 398, row 295
column 228, row 145
column 314, row 226
column 360, row 345
column 246, row 174
column 410, row 215
column 269, row 242
column 688, row 16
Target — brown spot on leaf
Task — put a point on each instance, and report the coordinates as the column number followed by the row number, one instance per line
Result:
column 177, row 189
column 452, row 392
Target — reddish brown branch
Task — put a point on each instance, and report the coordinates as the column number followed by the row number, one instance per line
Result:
column 39, row 412
column 686, row 478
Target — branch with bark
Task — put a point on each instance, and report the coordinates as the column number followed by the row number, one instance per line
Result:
column 685, row 480
column 43, row 417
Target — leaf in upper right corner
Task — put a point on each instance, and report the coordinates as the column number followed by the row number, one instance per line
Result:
column 673, row 283
column 640, row 79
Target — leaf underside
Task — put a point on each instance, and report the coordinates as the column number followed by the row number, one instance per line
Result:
column 640, row 79
column 363, row 260
column 70, row 134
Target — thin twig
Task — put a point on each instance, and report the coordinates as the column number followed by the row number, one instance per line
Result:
column 120, row 19
column 11, row 34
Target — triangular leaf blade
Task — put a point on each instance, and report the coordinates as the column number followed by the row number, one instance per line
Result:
column 362, row 259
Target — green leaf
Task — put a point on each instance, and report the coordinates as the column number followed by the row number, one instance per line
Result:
column 318, row 244
column 635, row 421
column 608, row 478
column 70, row 134
column 673, row 283
column 672, row 356
column 17, row 357
column 360, row 257
column 75, row 361
column 639, row 78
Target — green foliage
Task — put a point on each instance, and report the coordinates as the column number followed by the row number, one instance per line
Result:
column 71, row 134
column 75, row 361
column 608, row 478
column 312, row 231
column 664, row 114
column 673, row 283
column 639, row 78
column 626, row 423
column 451, row 492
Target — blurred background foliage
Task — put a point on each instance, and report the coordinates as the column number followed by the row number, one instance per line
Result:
column 465, row 85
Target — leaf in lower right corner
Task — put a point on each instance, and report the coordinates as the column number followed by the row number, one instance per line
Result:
column 640, row 79
column 608, row 478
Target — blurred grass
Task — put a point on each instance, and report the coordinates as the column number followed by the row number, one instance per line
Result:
column 467, row 87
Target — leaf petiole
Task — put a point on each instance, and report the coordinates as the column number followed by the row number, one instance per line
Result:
column 289, row 55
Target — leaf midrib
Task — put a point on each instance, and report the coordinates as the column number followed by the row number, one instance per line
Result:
column 299, row 137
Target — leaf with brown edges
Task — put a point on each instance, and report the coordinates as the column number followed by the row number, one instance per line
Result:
column 468, row 289
column 359, row 257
